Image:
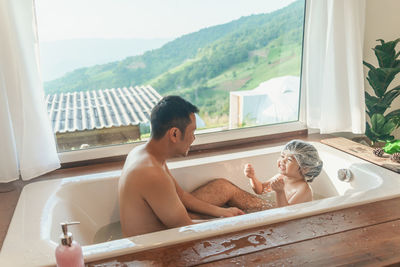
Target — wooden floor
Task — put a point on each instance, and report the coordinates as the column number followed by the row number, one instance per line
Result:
column 367, row 235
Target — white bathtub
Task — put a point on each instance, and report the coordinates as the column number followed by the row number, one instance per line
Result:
column 92, row 199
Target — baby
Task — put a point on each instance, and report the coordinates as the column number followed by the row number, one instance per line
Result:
column 298, row 165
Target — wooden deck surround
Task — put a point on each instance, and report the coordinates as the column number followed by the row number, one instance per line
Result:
column 366, row 235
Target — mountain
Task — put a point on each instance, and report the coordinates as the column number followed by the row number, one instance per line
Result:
column 59, row 57
column 205, row 65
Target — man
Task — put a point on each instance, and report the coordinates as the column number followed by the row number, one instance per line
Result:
column 149, row 197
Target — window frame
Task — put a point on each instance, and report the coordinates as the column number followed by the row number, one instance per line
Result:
column 211, row 139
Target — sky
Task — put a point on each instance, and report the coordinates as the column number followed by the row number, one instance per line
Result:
column 144, row 19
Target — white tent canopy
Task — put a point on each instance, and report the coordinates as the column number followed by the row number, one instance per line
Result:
column 273, row 101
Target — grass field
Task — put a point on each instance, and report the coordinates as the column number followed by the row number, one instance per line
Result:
column 274, row 60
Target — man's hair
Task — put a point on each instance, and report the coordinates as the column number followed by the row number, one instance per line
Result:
column 171, row 111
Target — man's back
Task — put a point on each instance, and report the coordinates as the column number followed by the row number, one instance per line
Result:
column 148, row 198
column 136, row 215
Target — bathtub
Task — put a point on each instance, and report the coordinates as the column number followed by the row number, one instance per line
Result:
column 92, row 199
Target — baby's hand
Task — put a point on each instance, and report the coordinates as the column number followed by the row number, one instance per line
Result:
column 278, row 184
column 267, row 187
column 249, row 171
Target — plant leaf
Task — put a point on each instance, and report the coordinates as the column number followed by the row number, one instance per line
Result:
column 388, row 128
column 375, row 104
column 370, row 101
column 378, row 107
column 392, row 147
column 380, row 79
column 381, row 40
column 390, row 74
column 385, row 138
column 380, row 127
column 370, row 66
column 374, row 82
column 385, row 59
column 394, row 116
column 369, row 133
column 390, row 96
column 385, row 53
column 377, row 123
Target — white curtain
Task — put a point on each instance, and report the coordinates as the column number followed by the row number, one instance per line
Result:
column 333, row 70
column 26, row 141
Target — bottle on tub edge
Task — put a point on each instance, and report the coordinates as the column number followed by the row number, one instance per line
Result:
column 69, row 252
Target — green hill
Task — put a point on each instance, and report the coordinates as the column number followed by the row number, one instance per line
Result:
column 204, row 66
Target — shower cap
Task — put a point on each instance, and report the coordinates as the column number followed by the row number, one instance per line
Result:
column 306, row 156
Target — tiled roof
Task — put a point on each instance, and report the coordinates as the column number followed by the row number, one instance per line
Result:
column 90, row 110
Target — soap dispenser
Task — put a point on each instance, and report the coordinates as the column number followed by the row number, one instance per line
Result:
column 69, row 252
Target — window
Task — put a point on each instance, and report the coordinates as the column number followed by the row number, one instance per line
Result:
column 105, row 64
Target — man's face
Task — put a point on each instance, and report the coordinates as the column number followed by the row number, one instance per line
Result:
column 188, row 137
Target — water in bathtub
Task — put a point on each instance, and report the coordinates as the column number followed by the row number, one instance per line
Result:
column 108, row 232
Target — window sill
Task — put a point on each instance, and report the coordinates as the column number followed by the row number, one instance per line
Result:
column 204, row 142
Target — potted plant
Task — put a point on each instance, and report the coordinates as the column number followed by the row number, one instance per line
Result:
column 381, row 125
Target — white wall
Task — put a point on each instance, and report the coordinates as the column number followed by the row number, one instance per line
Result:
column 381, row 22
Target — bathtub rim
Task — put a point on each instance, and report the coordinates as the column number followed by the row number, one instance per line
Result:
column 207, row 229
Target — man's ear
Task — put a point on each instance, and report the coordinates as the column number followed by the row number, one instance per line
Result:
column 174, row 134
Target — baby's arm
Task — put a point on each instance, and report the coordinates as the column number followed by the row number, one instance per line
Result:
column 255, row 183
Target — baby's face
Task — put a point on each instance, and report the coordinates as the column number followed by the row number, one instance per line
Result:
column 288, row 166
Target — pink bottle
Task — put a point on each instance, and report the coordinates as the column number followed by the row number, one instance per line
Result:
column 69, row 252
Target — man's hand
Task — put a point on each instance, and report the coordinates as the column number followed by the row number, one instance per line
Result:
column 230, row 212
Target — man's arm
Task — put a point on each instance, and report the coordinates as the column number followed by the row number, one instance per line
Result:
column 158, row 190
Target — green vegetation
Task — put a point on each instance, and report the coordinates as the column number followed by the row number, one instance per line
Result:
column 382, row 125
column 205, row 66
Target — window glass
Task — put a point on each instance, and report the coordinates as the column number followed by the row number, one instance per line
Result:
column 105, row 64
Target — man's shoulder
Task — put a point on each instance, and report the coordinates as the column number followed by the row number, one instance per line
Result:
column 145, row 170
column 138, row 159
column 137, row 151
column 143, row 166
